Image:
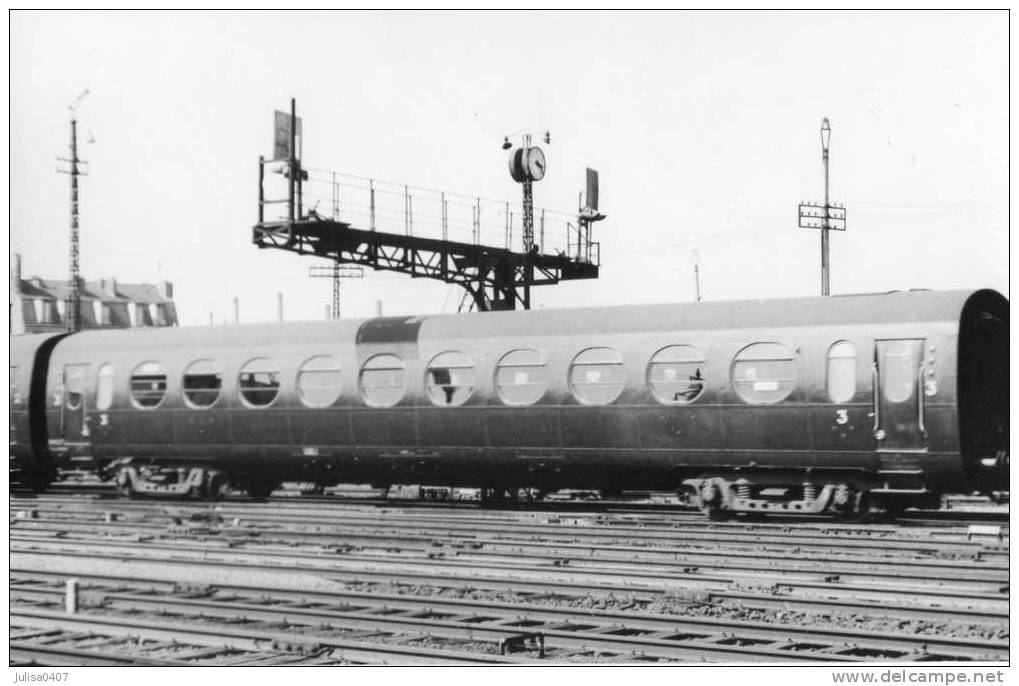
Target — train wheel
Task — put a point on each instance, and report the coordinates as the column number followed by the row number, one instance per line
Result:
column 715, row 513
column 217, row 487
column 39, row 482
column 261, row 490
column 863, row 511
column 709, row 501
column 124, row 484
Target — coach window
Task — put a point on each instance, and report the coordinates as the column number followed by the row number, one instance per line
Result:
column 148, row 385
column 202, row 383
column 74, row 385
column 675, row 374
column 383, row 380
column 104, row 387
column 319, row 381
column 596, row 376
column 898, row 372
column 259, row 382
column 763, row 373
column 521, row 377
column 841, row 376
column 450, row 379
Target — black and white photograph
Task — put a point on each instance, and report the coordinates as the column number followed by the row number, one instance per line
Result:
column 461, row 343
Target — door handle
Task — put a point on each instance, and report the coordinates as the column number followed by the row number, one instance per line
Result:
column 877, row 404
column 919, row 402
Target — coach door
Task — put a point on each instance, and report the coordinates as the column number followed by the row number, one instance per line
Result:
column 898, row 400
column 73, row 412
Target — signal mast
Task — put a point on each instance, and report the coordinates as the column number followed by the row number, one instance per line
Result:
column 527, row 165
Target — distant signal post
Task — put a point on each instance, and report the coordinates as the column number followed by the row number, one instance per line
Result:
column 827, row 217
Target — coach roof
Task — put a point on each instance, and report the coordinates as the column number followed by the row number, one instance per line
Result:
column 868, row 309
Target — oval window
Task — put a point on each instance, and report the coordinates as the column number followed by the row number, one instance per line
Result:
column 763, row 373
column 148, row 385
column 841, row 376
column 319, row 381
column 449, row 379
column 596, row 376
column 521, row 377
column 383, row 380
column 104, row 387
column 259, row 382
column 202, row 383
column 676, row 374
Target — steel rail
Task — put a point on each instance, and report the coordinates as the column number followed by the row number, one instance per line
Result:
column 441, row 572
column 661, row 539
column 642, row 528
column 423, row 546
column 667, row 529
column 246, row 638
column 784, row 567
column 623, row 631
column 25, row 586
column 27, row 653
column 414, row 628
column 942, row 609
column 672, row 511
column 927, row 518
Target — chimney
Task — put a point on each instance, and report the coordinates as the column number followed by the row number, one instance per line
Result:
column 165, row 289
column 378, row 308
column 279, row 306
column 237, row 310
column 109, row 285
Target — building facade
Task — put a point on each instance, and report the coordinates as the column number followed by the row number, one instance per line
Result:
column 40, row 305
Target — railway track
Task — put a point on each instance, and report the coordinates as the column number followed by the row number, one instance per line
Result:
column 366, row 527
column 535, row 586
column 960, row 510
column 302, row 512
column 494, row 625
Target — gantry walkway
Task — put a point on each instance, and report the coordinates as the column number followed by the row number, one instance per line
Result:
column 465, row 240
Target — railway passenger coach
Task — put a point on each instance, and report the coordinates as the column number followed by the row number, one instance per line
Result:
column 813, row 404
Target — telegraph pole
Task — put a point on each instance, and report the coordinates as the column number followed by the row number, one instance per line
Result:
column 696, row 273
column 826, row 217
column 826, row 226
column 73, row 313
column 336, row 272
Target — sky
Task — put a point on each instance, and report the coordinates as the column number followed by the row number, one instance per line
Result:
column 704, row 127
